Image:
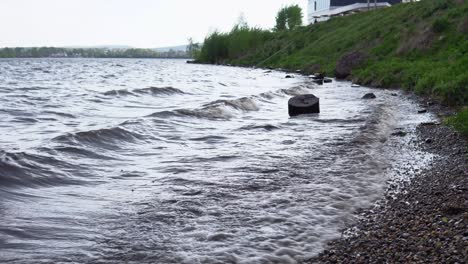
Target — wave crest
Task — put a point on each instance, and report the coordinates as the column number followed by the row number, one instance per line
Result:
column 159, row 91
column 101, row 137
column 31, row 170
column 219, row 109
column 163, row 91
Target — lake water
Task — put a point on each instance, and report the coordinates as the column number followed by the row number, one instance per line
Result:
column 159, row 161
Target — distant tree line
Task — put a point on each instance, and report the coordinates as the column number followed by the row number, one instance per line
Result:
column 51, row 52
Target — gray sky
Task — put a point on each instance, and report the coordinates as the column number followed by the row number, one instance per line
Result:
column 138, row 23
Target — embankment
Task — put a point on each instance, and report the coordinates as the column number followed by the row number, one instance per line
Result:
column 419, row 46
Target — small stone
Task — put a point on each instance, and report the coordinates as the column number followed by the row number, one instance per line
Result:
column 318, row 81
column 399, row 134
column 288, row 77
column 428, row 124
column 369, row 96
column 453, row 209
column 429, row 140
column 422, row 111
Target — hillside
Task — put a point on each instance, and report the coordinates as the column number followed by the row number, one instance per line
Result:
column 418, row 46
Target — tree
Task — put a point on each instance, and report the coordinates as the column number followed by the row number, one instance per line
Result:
column 281, row 19
column 193, row 49
column 294, row 14
column 288, row 18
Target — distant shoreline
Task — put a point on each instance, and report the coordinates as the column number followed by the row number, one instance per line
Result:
column 53, row 52
column 60, row 58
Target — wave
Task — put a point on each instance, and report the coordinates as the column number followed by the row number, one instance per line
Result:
column 162, row 91
column 108, row 76
column 159, row 91
column 121, row 92
column 376, row 129
column 245, row 104
column 24, row 120
column 107, row 137
column 77, row 151
column 219, row 109
column 60, row 114
column 340, row 121
column 28, row 170
column 33, row 88
column 266, row 127
column 298, row 90
column 209, row 139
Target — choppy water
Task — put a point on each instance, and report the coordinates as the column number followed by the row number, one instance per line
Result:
column 158, row 161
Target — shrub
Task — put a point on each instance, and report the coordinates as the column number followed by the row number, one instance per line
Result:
column 440, row 25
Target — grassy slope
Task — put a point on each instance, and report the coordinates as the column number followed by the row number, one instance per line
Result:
column 459, row 121
column 419, row 46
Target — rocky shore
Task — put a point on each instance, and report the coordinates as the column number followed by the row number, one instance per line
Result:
column 425, row 223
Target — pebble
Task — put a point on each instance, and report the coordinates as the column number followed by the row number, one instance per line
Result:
column 425, row 223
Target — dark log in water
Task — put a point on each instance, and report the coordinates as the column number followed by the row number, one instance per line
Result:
column 303, row 104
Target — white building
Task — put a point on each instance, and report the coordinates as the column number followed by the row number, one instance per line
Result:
column 321, row 10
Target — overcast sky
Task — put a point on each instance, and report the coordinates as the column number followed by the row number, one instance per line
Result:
column 138, row 23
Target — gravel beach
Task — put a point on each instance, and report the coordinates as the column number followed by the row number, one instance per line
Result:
column 426, row 222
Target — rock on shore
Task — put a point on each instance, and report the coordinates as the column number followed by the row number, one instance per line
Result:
column 348, row 62
column 427, row 222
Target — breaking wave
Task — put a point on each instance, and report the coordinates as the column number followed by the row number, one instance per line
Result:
column 159, row 90
column 107, row 137
column 32, row 170
column 219, row 109
column 121, row 92
column 163, row 91
column 266, row 127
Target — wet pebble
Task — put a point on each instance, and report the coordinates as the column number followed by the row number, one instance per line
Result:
column 425, row 223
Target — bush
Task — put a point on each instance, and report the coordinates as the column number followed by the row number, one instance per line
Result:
column 440, row 25
column 221, row 47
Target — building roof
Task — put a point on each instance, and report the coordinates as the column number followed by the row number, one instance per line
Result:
column 346, row 9
column 350, row 2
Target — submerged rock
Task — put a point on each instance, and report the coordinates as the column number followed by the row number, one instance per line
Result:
column 288, row 77
column 304, row 104
column 318, row 81
column 369, row 96
column 318, row 76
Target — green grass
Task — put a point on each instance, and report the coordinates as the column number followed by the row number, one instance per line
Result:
column 459, row 121
column 419, row 46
